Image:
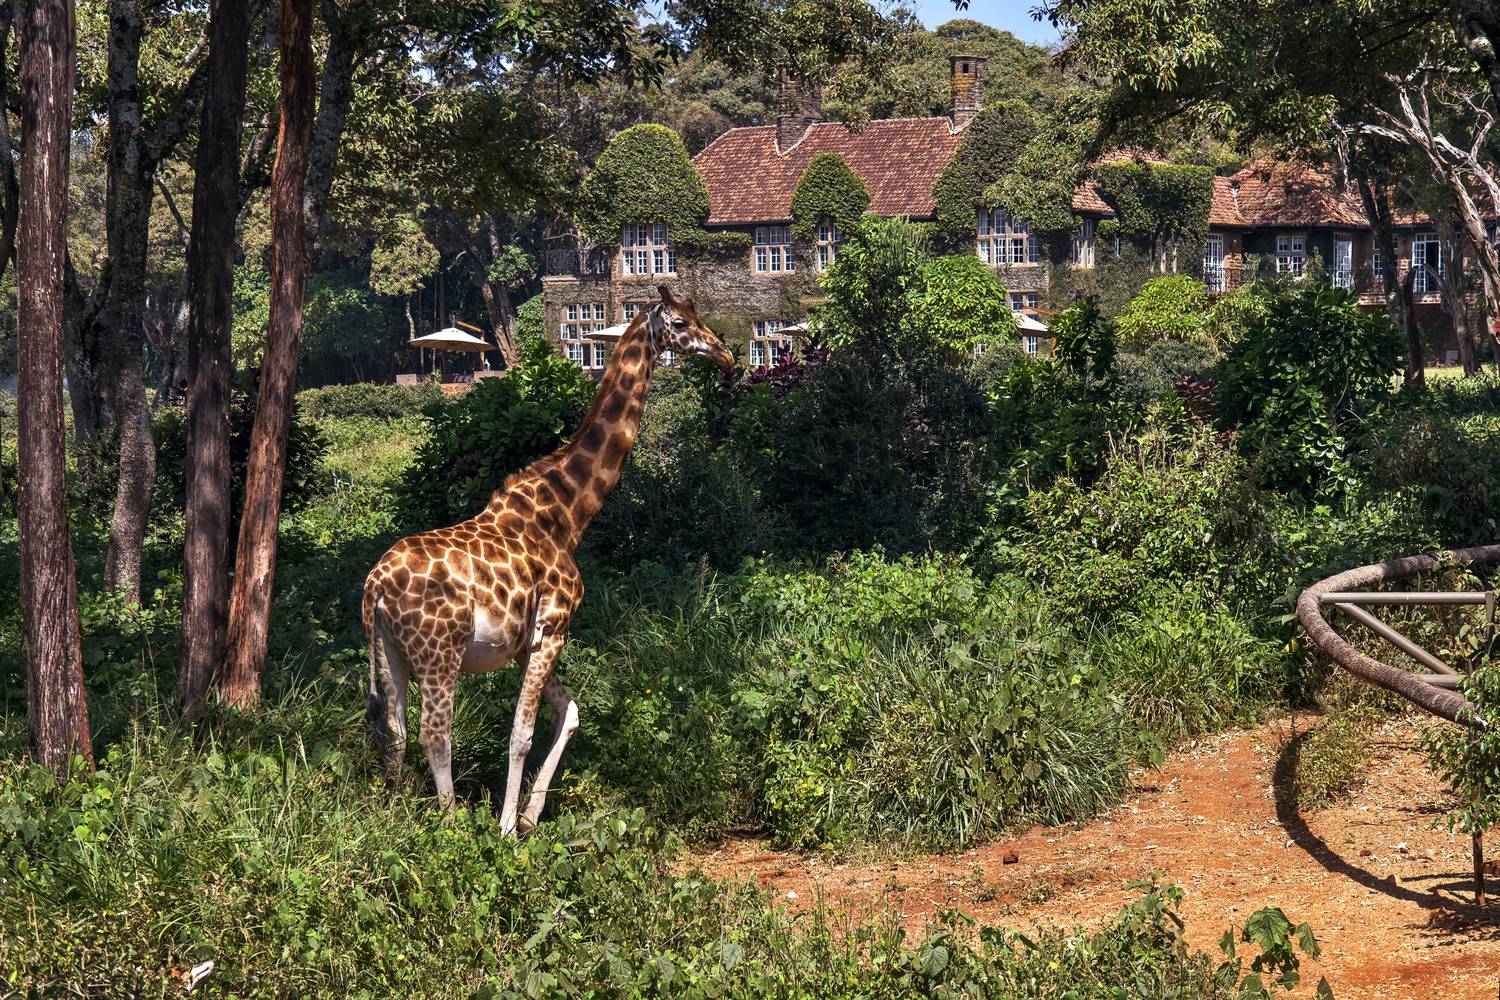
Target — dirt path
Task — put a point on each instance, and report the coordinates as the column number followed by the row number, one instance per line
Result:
column 1388, row 896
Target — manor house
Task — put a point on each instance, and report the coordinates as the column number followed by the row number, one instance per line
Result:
column 1272, row 216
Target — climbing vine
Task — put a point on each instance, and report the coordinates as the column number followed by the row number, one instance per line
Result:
column 1038, row 186
column 643, row 176
column 1158, row 206
column 828, row 189
column 995, row 139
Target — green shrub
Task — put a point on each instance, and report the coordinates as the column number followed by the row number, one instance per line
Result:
column 498, row 427
column 680, row 498
column 1308, row 375
column 828, row 189
column 303, row 480
column 1150, row 376
column 368, row 399
column 644, row 176
column 1173, row 307
column 994, row 139
column 1183, row 515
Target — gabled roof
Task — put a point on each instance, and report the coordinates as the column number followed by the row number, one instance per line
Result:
column 899, row 159
column 1293, row 194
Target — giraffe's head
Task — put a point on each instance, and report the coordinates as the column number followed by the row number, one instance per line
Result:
column 676, row 327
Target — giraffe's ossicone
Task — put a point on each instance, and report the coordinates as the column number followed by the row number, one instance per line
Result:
column 502, row 586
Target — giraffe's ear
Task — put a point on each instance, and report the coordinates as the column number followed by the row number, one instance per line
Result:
column 666, row 295
column 654, row 321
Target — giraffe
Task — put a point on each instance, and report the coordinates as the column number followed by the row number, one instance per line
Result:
column 502, row 586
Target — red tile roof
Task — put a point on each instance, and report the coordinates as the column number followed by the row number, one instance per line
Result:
column 899, row 159
column 1293, row 194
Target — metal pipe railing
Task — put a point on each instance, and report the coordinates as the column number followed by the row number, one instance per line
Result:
column 1434, row 692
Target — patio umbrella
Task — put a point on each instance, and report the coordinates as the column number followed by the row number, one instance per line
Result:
column 451, row 339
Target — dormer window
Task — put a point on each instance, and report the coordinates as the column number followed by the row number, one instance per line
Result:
column 1003, row 240
column 829, row 239
column 773, row 249
column 646, row 250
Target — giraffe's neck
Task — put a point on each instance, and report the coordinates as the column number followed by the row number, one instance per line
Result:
column 590, row 464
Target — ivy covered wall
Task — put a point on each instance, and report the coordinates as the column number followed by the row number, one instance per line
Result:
column 993, row 141
column 828, row 188
column 1161, row 209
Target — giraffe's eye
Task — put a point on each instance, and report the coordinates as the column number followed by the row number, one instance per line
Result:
column 679, row 323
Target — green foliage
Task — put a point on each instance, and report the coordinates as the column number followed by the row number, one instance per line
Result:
column 1173, row 307
column 643, row 177
column 959, row 305
column 303, row 480
column 1309, row 373
column 1148, row 377
column 1085, row 341
column 827, row 189
column 402, row 258
column 996, row 138
column 1182, row 515
column 367, row 399
column 1467, row 756
column 531, row 323
column 1161, row 207
column 1037, row 187
column 890, row 299
column 498, row 427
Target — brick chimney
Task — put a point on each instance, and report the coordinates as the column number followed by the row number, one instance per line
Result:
column 799, row 106
column 967, row 75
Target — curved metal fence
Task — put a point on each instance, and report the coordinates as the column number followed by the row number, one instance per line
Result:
column 1352, row 592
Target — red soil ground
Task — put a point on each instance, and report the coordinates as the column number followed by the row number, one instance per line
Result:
column 1389, row 896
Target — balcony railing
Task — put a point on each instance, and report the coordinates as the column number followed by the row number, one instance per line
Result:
column 576, row 263
column 1221, row 278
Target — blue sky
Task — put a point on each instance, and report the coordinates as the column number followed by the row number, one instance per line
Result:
column 1013, row 16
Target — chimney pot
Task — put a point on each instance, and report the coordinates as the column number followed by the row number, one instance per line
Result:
column 799, row 106
column 966, row 73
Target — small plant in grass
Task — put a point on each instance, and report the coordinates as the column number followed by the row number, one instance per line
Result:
column 1467, row 756
column 1278, row 963
column 1331, row 760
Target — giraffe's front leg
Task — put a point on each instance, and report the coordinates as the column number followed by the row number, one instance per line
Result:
column 566, row 710
column 539, row 667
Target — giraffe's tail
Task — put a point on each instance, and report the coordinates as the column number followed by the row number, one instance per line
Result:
column 377, row 715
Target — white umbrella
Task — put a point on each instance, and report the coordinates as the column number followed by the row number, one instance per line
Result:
column 452, row 339
column 1030, row 324
column 609, row 332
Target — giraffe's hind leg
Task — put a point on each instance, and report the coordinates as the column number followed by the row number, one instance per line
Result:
column 437, row 679
column 390, row 676
column 566, row 710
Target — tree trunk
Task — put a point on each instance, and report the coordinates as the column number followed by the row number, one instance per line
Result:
column 496, row 305
column 1398, row 293
column 117, row 334
column 335, row 96
column 1476, row 24
column 216, row 203
column 255, row 563
column 8, row 216
column 49, row 584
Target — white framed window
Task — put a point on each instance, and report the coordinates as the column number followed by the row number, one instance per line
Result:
column 1031, row 344
column 1002, row 240
column 769, row 343
column 629, row 311
column 1426, row 257
column 1291, row 255
column 1022, row 301
column 1082, row 254
column 580, row 319
column 829, row 239
column 1377, row 266
column 1343, row 261
column 773, row 249
column 1213, row 263
column 647, row 250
